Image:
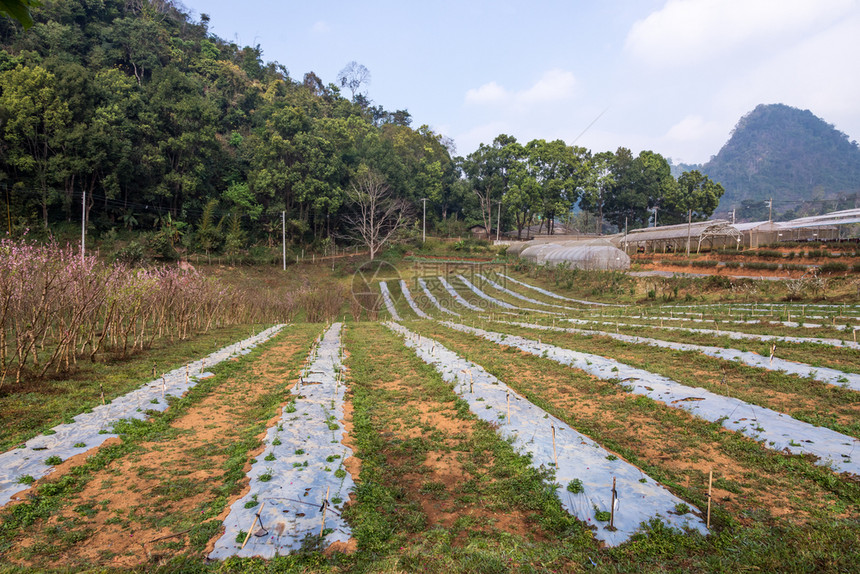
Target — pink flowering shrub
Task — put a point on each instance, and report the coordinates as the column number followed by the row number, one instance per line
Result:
column 57, row 308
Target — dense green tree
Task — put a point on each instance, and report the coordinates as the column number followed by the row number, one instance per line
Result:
column 640, row 185
column 599, row 184
column 35, row 120
column 694, row 197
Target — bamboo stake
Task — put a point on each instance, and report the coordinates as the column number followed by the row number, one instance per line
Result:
column 612, row 507
column 251, row 529
column 325, row 506
column 710, row 483
column 554, row 456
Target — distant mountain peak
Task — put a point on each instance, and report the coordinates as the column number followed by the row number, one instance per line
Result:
column 786, row 153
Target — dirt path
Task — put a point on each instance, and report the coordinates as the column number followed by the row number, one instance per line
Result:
column 175, row 487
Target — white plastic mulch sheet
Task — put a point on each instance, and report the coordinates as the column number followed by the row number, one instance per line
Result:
column 520, row 296
column 91, row 429
column 556, row 295
column 530, row 430
column 457, row 297
column 495, row 301
column 433, row 299
column 408, row 296
column 483, row 295
column 389, row 304
column 774, row 430
column 305, row 463
column 790, row 324
column 823, row 374
column 730, row 334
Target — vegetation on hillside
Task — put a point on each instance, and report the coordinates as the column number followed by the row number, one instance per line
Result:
column 781, row 152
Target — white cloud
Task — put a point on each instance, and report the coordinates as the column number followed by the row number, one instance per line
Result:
column 320, row 27
column 696, row 31
column 488, row 93
column 553, row 86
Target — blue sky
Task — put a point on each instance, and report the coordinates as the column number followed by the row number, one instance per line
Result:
column 673, row 76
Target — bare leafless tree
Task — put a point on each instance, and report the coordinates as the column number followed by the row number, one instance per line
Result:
column 353, row 76
column 376, row 213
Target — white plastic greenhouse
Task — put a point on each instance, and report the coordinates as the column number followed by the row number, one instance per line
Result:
column 588, row 254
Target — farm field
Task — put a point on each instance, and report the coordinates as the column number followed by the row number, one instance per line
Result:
column 414, row 443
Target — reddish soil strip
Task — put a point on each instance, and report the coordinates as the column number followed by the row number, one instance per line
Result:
column 165, row 486
column 429, row 448
column 669, row 439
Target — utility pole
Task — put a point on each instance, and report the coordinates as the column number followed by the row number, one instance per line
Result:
column 284, row 237
column 655, row 215
column 8, row 210
column 733, row 216
column 689, row 227
column 83, row 225
column 499, row 220
column 770, row 210
column 424, row 222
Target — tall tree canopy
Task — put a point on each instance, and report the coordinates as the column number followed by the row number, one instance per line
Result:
column 163, row 123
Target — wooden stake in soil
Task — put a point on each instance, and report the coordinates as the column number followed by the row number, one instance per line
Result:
column 772, row 352
column 325, row 506
column 254, row 523
column 508, row 396
column 163, row 384
column 612, row 507
column 710, row 484
column 554, row 456
column 187, row 366
column 102, row 393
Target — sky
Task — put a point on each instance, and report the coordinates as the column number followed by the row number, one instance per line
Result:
column 671, row 76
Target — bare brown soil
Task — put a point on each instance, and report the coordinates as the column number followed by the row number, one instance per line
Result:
column 663, row 438
column 435, row 480
column 138, row 510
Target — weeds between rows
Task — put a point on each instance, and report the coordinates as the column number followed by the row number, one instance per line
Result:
column 28, row 412
column 763, row 499
column 814, row 354
column 799, row 397
column 58, row 526
column 764, row 327
column 439, row 490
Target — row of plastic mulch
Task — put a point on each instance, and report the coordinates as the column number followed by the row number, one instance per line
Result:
column 824, row 374
column 773, row 429
column 91, row 429
column 298, row 484
column 584, row 471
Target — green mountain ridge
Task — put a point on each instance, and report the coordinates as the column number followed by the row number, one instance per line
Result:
column 776, row 151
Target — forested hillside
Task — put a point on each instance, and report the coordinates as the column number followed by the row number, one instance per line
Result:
column 788, row 154
column 192, row 143
column 165, row 125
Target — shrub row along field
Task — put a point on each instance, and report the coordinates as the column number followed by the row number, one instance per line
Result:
column 57, row 307
column 441, row 482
